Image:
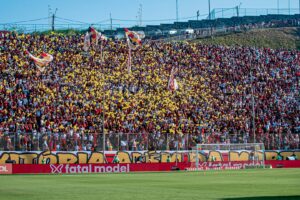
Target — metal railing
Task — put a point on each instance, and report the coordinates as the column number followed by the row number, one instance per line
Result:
column 216, row 31
column 30, row 28
column 216, row 13
column 34, row 141
column 240, row 12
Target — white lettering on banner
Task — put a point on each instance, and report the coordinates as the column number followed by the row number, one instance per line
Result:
column 85, row 169
column 88, row 169
column 239, row 165
column 99, row 169
column 123, row 169
column 109, row 169
column 56, row 169
column 3, row 169
column 6, row 169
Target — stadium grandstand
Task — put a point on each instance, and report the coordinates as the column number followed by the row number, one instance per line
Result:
column 207, row 100
column 226, row 94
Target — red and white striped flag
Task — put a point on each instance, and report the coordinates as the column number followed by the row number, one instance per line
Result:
column 133, row 39
column 172, row 84
column 92, row 36
column 41, row 62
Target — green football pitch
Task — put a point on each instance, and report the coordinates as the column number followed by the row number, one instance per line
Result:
column 227, row 185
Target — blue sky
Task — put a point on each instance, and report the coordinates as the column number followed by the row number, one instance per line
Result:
column 92, row 11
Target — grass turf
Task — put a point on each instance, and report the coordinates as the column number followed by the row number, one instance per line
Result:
column 275, row 38
column 227, row 185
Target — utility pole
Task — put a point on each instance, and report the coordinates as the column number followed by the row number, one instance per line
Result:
column 209, row 17
column 198, row 14
column 238, row 10
column 53, row 19
column 289, row 7
column 278, row 7
column 177, row 11
column 209, row 14
column 110, row 21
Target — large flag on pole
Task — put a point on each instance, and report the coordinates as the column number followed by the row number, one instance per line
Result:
column 172, row 84
column 92, row 36
column 87, row 42
column 134, row 41
column 41, row 62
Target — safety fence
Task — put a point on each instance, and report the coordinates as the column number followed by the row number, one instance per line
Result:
column 35, row 141
column 93, row 141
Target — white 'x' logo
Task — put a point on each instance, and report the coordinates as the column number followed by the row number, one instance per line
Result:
column 56, row 169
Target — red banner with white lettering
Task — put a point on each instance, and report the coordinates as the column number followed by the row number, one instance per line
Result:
column 93, row 168
column 6, row 169
column 125, row 168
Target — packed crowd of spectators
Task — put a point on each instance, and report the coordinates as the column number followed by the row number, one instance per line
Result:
column 61, row 108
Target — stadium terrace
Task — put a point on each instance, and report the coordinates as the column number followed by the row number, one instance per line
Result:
column 62, row 107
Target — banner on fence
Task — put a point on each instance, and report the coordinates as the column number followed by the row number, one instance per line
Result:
column 38, row 157
column 145, row 167
column 93, row 168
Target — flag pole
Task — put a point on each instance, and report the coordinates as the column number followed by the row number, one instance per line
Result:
column 101, row 51
column 171, row 78
column 129, row 59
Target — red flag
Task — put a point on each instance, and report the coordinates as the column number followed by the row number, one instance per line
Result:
column 172, row 84
column 41, row 62
column 92, row 36
column 133, row 39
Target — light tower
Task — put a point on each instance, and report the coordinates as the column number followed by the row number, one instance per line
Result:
column 140, row 15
